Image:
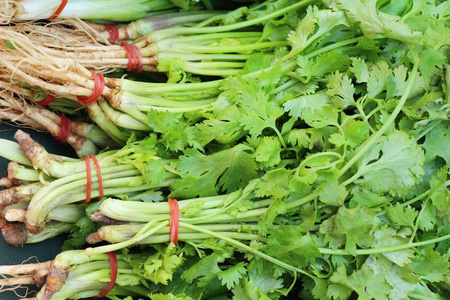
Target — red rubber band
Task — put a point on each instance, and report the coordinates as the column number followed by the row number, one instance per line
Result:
column 113, row 33
column 138, row 58
column 88, row 180
column 99, row 176
column 113, row 275
column 99, row 85
column 134, row 55
column 47, row 100
column 64, row 130
column 58, row 10
column 174, row 220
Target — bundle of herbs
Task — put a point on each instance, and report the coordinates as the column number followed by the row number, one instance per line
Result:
column 320, row 171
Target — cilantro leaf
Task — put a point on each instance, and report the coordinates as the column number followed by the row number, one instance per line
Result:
column 331, row 193
column 231, row 276
column 364, row 282
column 321, row 65
column 437, row 143
column 203, row 175
column 288, row 244
column 340, row 90
column 160, row 266
column 204, row 271
column 268, row 152
column 430, row 265
column 351, row 227
column 299, row 106
column 401, row 216
column 258, row 111
column 394, row 163
column 373, row 22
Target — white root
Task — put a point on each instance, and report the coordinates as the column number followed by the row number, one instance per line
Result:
column 22, row 280
column 15, row 215
column 25, row 268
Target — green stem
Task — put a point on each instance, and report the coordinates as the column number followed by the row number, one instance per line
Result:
column 248, row 249
column 299, row 202
column 416, row 224
column 239, row 25
column 207, row 4
column 374, row 138
column 385, row 249
column 231, row 48
column 429, row 128
column 415, row 199
column 144, row 233
column 420, row 297
column 12, row 151
column 315, row 155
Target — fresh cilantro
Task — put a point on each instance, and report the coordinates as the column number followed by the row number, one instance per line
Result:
column 203, row 175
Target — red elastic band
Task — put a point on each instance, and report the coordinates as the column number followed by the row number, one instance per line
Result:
column 99, row 176
column 174, row 220
column 47, row 100
column 134, row 55
column 99, row 85
column 88, row 180
column 58, row 10
column 113, row 275
column 64, row 130
column 113, row 33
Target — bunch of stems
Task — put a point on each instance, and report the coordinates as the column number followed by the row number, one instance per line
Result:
column 125, row 10
column 202, row 50
column 85, row 138
column 80, row 33
column 73, row 275
column 52, row 187
column 125, row 103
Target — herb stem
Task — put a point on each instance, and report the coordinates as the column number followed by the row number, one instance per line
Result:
column 374, row 138
column 416, row 225
column 385, row 249
column 248, row 249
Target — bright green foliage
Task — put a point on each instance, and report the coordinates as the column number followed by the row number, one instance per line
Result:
column 289, row 245
column 176, row 134
column 169, row 297
column 431, row 265
column 331, row 193
column 268, row 152
column 394, row 163
column 232, row 275
column 258, row 112
column 373, row 21
column 437, row 143
column 159, row 267
column 204, row 175
column 341, row 90
column 364, row 282
column 204, row 271
column 333, row 151
column 401, row 216
column 349, row 227
column 323, row 64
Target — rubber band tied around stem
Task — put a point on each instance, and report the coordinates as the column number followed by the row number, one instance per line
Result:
column 134, row 55
column 113, row 275
column 58, row 11
column 47, row 100
column 99, row 85
column 89, row 178
column 113, row 33
column 64, row 130
column 174, row 220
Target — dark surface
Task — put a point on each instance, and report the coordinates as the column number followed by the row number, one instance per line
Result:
column 44, row 251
